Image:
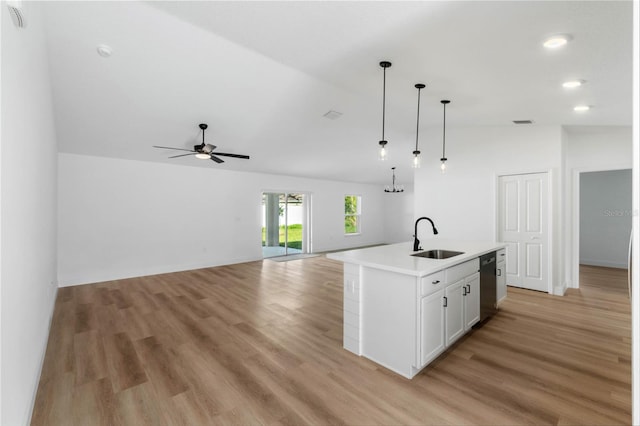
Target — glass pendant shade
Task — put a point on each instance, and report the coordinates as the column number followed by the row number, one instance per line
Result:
column 383, row 153
column 416, row 160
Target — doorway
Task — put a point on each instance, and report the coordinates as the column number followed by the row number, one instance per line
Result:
column 285, row 224
column 523, row 224
column 603, row 219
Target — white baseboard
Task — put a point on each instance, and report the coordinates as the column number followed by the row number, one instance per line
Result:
column 560, row 290
column 43, row 353
column 604, row 263
column 100, row 276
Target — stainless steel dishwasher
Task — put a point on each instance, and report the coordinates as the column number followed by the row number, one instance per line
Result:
column 487, row 285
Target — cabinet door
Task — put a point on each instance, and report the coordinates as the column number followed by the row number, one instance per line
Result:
column 431, row 326
column 501, row 281
column 471, row 300
column 454, row 311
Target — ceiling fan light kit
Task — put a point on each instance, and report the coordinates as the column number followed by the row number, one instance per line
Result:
column 204, row 151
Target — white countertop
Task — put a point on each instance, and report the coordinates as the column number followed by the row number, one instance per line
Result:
column 397, row 257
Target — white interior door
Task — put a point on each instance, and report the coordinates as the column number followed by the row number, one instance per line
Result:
column 523, row 225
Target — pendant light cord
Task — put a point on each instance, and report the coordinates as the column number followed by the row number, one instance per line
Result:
column 444, row 126
column 384, row 91
column 418, row 119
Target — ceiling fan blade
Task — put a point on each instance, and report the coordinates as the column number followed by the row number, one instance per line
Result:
column 233, row 155
column 177, row 149
column 181, row 155
column 216, row 159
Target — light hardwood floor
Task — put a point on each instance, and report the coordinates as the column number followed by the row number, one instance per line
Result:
column 261, row 343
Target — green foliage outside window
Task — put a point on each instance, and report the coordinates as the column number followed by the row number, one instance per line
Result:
column 351, row 214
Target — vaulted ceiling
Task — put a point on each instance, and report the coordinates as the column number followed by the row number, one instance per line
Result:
column 263, row 74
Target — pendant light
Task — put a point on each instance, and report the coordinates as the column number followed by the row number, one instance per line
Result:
column 416, row 152
column 443, row 160
column 384, row 152
column 394, row 187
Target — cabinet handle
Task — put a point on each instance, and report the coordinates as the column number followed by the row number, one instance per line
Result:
column 468, row 288
column 445, row 301
column 499, row 272
column 464, row 290
column 435, row 282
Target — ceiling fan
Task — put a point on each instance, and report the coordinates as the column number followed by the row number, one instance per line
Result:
column 204, row 151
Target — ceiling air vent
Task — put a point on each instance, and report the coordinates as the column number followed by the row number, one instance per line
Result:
column 522, row 122
column 17, row 14
column 333, row 115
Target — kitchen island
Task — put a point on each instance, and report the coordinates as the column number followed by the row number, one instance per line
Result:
column 402, row 311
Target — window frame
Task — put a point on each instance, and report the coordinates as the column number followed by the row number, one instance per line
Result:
column 357, row 215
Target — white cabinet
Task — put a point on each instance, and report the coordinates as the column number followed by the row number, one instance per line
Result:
column 462, row 299
column 432, row 326
column 471, row 300
column 454, row 311
column 501, row 275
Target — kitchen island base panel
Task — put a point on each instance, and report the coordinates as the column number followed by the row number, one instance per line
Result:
column 351, row 319
column 389, row 319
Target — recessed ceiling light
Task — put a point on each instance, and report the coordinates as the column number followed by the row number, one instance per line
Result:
column 104, row 50
column 556, row 41
column 573, row 84
column 581, row 108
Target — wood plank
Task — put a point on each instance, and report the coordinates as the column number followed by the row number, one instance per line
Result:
column 125, row 368
column 94, row 404
column 90, row 363
column 261, row 343
column 159, row 366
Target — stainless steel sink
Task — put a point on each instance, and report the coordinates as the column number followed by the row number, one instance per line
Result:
column 438, row 254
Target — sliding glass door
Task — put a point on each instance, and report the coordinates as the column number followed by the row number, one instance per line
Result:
column 284, row 224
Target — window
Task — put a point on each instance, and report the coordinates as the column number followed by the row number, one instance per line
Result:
column 352, row 214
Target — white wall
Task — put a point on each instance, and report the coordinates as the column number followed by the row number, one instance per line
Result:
column 398, row 213
column 605, row 218
column 28, row 205
column 122, row 218
column 462, row 201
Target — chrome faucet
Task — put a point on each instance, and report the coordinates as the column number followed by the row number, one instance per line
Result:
column 416, row 241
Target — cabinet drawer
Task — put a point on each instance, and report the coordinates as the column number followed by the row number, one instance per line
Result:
column 431, row 283
column 501, row 255
column 458, row 272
